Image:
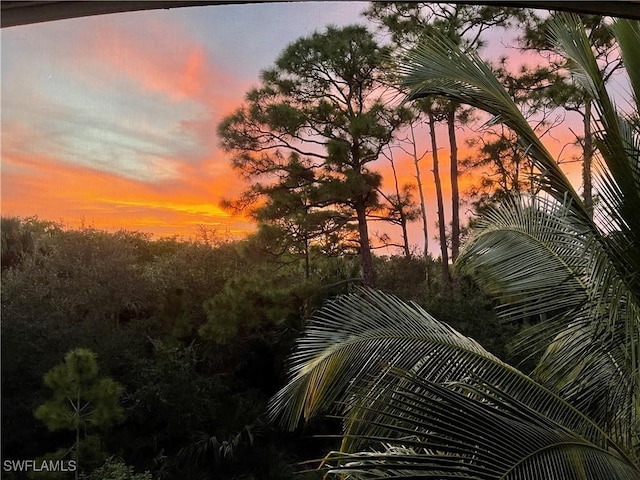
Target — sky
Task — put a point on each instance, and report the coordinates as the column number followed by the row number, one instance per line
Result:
column 110, row 121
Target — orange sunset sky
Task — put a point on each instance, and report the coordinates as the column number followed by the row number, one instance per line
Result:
column 111, row 120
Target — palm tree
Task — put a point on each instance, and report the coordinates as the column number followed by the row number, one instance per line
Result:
column 581, row 272
column 418, row 399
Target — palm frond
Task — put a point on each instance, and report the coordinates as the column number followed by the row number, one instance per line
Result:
column 355, row 336
column 627, row 33
column 419, row 429
column 532, row 254
column 616, row 139
column 354, row 340
column 428, row 402
column 522, row 254
column 547, row 257
column 541, row 261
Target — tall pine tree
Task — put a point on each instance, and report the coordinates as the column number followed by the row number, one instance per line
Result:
column 324, row 100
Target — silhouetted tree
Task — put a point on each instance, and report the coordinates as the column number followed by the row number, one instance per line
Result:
column 323, row 99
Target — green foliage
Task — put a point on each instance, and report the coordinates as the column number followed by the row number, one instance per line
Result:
column 247, row 304
column 178, row 384
column 30, row 349
column 70, row 273
column 167, row 389
column 156, row 354
column 80, row 398
column 91, row 451
column 291, row 220
column 463, row 305
column 15, row 241
column 412, row 22
column 185, row 277
column 397, row 373
column 115, row 469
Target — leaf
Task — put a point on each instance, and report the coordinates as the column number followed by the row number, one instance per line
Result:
column 419, row 429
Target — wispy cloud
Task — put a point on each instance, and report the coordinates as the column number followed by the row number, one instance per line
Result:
column 119, row 129
column 59, row 190
column 113, row 118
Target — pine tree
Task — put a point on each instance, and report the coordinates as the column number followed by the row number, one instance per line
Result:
column 323, row 100
column 81, row 399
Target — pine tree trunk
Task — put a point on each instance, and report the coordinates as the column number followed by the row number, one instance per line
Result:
column 405, row 236
column 423, row 208
column 307, row 266
column 455, row 195
column 441, row 224
column 368, row 275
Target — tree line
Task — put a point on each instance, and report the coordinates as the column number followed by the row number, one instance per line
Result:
column 192, row 336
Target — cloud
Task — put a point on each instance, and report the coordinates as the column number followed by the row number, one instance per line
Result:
column 157, row 58
column 113, row 118
column 46, row 187
column 115, row 123
column 131, row 83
